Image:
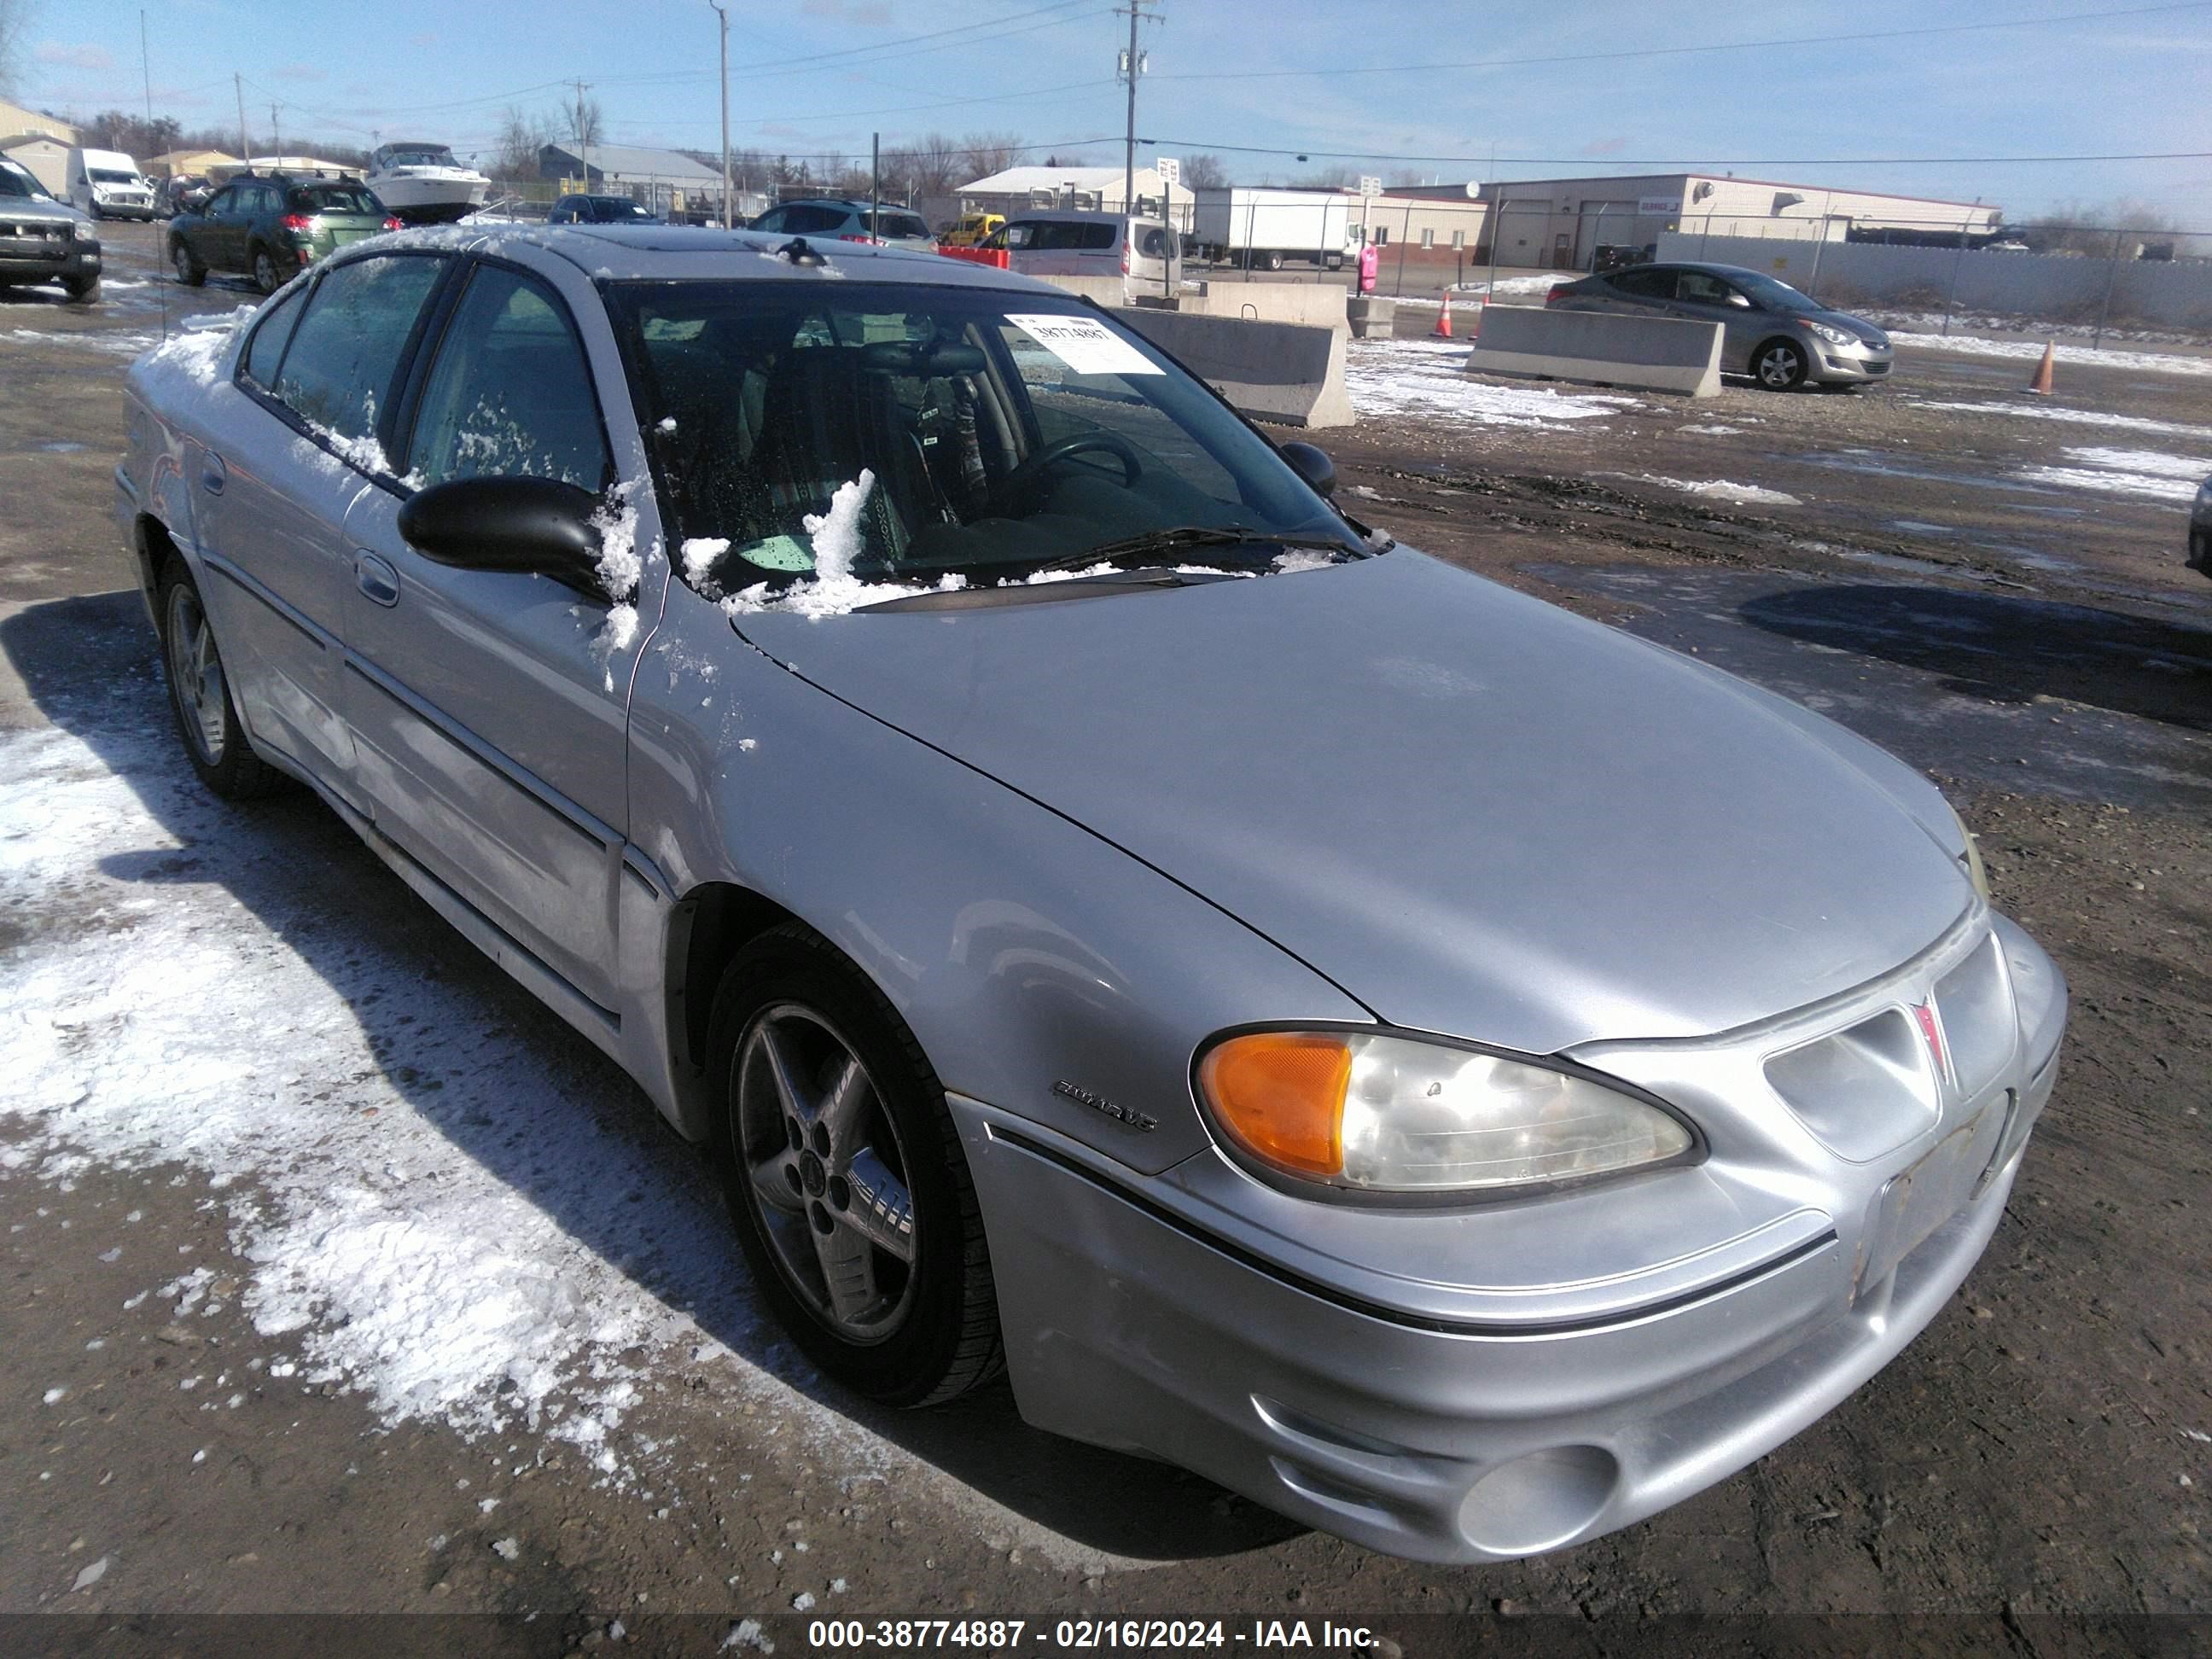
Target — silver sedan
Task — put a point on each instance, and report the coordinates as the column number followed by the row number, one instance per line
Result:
column 1435, row 1065
column 1770, row 331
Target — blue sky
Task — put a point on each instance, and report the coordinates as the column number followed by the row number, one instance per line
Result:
column 817, row 75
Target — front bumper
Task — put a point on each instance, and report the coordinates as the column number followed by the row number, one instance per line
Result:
column 1416, row 1428
column 77, row 257
column 1835, row 365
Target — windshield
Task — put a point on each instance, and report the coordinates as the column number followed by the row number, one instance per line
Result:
column 15, row 180
column 1003, row 431
column 1774, row 295
column 619, row 207
column 420, row 158
column 110, row 176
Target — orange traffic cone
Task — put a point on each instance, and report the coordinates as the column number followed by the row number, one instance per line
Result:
column 2041, row 384
column 1443, row 330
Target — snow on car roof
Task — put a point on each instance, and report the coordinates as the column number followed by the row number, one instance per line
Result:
column 679, row 252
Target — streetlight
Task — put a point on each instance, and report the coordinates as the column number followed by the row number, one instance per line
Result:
column 724, row 16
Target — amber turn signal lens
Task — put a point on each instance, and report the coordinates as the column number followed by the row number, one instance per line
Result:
column 1281, row 1095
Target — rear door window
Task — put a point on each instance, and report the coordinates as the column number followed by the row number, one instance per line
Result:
column 1645, row 284
column 345, row 353
column 511, row 392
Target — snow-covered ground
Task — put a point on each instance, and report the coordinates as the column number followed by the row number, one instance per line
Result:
column 2150, row 473
column 1509, row 290
column 458, row 1220
column 2144, row 362
column 2039, row 410
column 1990, row 322
column 1425, row 377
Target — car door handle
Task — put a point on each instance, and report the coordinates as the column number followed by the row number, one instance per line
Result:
column 378, row 580
column 213, row 473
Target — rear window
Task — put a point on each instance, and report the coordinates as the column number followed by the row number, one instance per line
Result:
column 330, row 198
column 900, row 224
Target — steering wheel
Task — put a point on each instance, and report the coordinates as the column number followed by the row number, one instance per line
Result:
column 1023, row 479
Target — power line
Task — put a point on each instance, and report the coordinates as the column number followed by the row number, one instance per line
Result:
column 1337, row 71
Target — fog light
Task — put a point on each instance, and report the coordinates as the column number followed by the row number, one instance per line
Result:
column 1540, row 1501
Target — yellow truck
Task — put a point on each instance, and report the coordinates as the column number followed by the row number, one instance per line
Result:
column 970, row 229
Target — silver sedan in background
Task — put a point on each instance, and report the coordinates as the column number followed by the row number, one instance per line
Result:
column 1438, row 1065
column 1770, row 331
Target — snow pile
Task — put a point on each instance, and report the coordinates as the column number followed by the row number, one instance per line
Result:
column 2142, row 363
column 700, row 553
column 1421, row 377
column 1714, row 431
column 838, row 542
column 1722, row 490
column 620, row 568
column 194, row 358
column 2149, row 473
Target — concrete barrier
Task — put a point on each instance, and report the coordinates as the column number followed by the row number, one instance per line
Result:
column 1657, row 353
column 1315, row 305
column 1280, row 372
column 1371, row 315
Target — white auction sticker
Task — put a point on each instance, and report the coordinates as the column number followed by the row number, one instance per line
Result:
column 1083, row 343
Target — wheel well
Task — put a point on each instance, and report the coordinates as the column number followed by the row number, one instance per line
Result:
column 712, row 924
column 1760, row 350
column 155, row 550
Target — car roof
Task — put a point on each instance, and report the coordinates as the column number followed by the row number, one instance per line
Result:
column 693, row 253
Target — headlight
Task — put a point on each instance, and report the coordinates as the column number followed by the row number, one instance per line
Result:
column 1374, row 1114
column 1975, row 871
column 1834, row 335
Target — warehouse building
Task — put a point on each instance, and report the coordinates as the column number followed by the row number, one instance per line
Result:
column 1562, row 223
column 663, row 181
column 1095, row 189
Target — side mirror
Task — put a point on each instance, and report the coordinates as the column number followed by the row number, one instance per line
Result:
column 1312, row 464
column 528, row 527
column 1741, row 302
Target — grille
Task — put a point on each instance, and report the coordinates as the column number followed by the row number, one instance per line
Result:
column 1877, row 369
column 1874, row 1086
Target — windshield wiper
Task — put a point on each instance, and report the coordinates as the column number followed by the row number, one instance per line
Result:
column 1153, row 543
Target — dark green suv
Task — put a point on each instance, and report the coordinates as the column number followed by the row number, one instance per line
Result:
column 272, row 225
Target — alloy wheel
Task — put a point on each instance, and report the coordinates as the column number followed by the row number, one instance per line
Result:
column 265, row 272
column 196, row 673
column 1780, row 366
column 827, row 1173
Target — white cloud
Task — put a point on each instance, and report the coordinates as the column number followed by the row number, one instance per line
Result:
column 62, row 55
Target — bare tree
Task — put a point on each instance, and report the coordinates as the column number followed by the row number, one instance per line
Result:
column 1204, row 172
column 16, row 19
column 521, row 135
column 2077, row 227
column 585, row 124
column 982, row 153
column 938, row 166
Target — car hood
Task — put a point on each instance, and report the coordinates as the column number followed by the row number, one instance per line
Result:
column 1477, row 813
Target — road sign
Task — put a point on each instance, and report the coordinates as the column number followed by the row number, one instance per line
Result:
column 1370, row 184
column 1169, row 167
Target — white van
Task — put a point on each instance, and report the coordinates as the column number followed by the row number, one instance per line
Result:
column 107, row 185
column 1145, row 252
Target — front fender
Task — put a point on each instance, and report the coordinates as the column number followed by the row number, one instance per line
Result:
column 1022, row 950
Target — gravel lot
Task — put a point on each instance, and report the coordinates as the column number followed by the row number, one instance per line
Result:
column 248, row 1043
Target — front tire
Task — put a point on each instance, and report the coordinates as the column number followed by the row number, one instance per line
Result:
column 1273, row 261
column 845, row 1178
column 81, row 290
column 1779, row 365
column 199, row 696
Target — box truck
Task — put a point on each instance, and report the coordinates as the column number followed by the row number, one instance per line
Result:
column 1265, row 229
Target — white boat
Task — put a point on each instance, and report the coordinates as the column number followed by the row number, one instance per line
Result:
column 423, row 185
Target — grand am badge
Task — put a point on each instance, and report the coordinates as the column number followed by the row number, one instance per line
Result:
column 1083, row 1096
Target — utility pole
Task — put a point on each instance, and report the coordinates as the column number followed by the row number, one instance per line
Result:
column 276, row 136
column 876, row 185
column 583, row 139
column 1132, row 64
column 146, row 72
column 244, row 149
column 719, row 12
